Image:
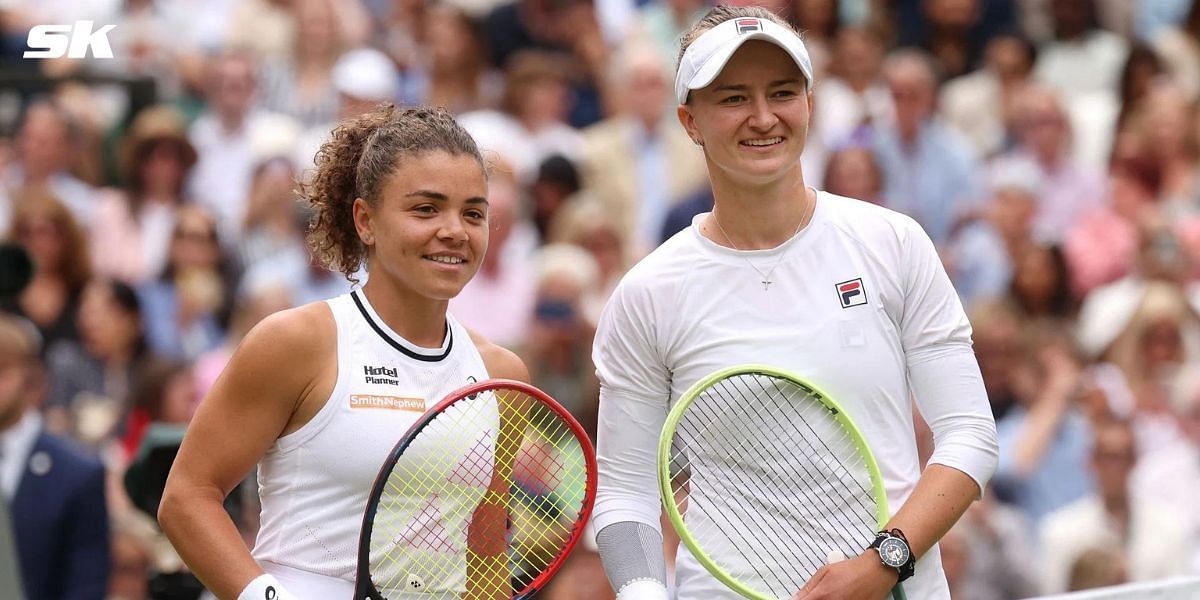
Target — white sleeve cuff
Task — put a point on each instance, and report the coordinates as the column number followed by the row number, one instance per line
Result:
column 265, row 587
column 643, row 589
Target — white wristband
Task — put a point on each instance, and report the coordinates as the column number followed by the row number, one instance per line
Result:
column 643, row 589
column 265, row 587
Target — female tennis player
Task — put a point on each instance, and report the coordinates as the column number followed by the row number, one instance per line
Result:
column 318, row 395
column 846, row 294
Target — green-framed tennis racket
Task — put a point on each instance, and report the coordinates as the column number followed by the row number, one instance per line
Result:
column 765, row 478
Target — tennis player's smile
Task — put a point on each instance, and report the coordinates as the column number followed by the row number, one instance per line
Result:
column 762, row 144
column 447, row 260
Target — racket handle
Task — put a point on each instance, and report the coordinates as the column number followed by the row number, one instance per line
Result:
column 645, row 589
column 834, row 556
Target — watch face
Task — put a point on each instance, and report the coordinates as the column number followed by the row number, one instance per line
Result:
column 894, row 552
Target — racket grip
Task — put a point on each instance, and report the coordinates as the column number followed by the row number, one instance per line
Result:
column 834, row 556
column 644, row 589
column 265, row 587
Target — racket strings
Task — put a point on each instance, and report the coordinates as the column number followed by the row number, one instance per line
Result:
column 485, row 498
column 740, row 450
column 835, row 473
column 798, row 547
column 852, row 488
column 787, row 481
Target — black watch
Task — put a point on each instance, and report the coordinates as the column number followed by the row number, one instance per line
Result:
column 894, row 552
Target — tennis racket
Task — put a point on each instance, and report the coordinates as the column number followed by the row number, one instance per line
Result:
column 766, row 479
column 482, row 499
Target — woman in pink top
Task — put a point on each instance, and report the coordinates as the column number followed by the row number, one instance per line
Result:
column 131, row 229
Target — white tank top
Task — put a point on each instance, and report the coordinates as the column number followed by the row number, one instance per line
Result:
column 314, row 482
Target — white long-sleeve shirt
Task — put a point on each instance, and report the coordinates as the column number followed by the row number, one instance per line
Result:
column 694, row 307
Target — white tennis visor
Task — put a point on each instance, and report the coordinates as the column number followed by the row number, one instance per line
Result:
column 705, row 57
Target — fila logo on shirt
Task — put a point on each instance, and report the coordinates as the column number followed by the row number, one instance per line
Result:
column 745, row 26
column 851, row 293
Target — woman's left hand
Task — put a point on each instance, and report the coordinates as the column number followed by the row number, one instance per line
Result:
column 863, row 577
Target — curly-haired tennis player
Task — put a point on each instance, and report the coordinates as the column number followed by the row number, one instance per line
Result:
column 317, row 395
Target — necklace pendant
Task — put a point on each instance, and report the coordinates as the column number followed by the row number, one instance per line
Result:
column 766, row 284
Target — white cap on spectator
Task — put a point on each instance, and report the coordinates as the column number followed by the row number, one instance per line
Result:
column 705, row 57
column 1017, row 173
column 366, row 74
column 273, row 135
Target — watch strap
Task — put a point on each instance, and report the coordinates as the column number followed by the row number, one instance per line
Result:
column 909, row 567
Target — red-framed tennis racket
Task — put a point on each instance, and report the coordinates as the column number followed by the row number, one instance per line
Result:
column 482, row 499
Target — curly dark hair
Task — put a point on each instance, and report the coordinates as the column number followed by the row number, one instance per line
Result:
column 353, row 164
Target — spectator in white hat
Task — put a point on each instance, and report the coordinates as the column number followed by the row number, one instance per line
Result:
column 363, row 78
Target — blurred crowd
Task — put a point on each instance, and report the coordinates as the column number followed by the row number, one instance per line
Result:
column 1051, row 149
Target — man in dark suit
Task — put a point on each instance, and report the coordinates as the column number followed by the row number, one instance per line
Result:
column 55, row 491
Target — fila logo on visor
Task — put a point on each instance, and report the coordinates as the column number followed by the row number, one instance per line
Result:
column 851, row 293
column 745, row 26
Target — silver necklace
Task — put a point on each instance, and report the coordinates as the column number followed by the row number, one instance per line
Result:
column 766, row 275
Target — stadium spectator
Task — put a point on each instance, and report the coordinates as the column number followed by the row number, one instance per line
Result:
column 852, row 172
column 53, row 488
column 1044, row 438
column 555, row 184
column 1069, row 189
column 1164, row 132
column 1083, row 64
column 131, row 231
column 299, row 85
column 997, row 340
column 639, row 162
column 58, row 247
column 1098, row 567
column 983, row 254
column 1179, row 47
column 272, row 243
column 46, row 151
column 1102, row 245
column 458, row 71
column 225, row 135
column 853, row 97
column 186, row 307
column 363, row 78
column 586, row 223
column 930, row 172
column 569, row 29
column 1041, row 285
column 559, row 340
column 1170, row 475
column 998, row 552
column 663, row 23
column 1141, row 69
column 91, row 378
column 531, row 123
column 979, row 103
column 820, row 21
column 1149, row 535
